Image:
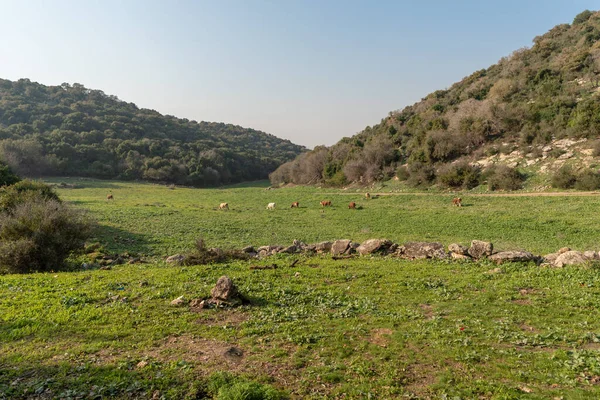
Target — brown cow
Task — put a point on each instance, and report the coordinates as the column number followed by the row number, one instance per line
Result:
column 109, row 197
column 367, row 195
column 326, row 203
column 352, row 205
column 295, row 205
column 457, row 201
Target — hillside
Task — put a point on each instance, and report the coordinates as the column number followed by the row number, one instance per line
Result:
column 526, row 111
column 74, row 131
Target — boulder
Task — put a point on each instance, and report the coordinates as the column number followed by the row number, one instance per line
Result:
column 591, row 255
column 225, row 290
column 564, row 250
column 511, row 256
column 340, row 247
column 458, row 249
column 374, row 246
column 420, row 250
column 176, row 259
column 457, row 256
column 550, row 258
column 248, row 249
column 299, row 244
column 264, row 251
column 323, row 247
column 480, row 249
column 570, row 258
column 289, row 250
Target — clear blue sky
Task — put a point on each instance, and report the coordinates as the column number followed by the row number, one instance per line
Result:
column 310, row 71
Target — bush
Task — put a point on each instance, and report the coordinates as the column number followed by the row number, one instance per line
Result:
column 23, row 191
column 420, row 174
column 402, row 173
column 588, row 180
column 202, row 255
column 38, row 234
column 459, row 175
column 564, row 178
column 503, row 177
column 7, row 177
column 582, row 17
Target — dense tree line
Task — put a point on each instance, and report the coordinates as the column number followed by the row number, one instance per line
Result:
column 72, row 130
column 528, row 99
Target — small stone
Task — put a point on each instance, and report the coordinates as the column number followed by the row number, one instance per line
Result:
column 178, row 301
column 494, row 271
column 225, row 290
column 142, row 364
column 198, row 303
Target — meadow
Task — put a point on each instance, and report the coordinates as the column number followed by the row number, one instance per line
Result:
column 364, row 328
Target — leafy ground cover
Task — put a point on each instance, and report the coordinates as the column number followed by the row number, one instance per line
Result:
column 353, row 328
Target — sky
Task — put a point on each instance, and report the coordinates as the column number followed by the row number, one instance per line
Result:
column 311, row 71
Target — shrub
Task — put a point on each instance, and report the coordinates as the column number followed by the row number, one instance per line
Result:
column 420, row 174
column 459, row 175
column 38, row 234
column 503, row 177
column 564, row 178
column 202, row 255
column 23, row 191
column 588, row 180
column 7, row 177
column 582, row 17
column 402, row 173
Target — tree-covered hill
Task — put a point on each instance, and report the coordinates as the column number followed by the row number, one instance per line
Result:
column 72, row 130
column 521, row 106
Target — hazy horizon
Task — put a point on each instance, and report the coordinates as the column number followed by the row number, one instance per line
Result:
column 304, row 71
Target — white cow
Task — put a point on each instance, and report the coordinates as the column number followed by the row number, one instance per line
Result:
column 223, row 206
column 271, row 206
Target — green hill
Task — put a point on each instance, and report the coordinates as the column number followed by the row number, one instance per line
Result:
column 524, row 111
column 74, row 131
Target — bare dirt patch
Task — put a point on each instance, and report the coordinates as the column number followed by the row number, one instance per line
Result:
column 427, row 310
column 380, row 336
column 222, row 318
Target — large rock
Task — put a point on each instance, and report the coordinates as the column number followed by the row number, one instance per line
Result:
column 591, row 255
column 323, row 247
column 458, row 249
column 176, row 259
column 570, row 258
column 420, row 250
column 290, row 249
column 551, row 258
column 511, row 256
column 480, row 249
column 265, row 251
column 374, row 246
column 225, row 290
column 340, row 247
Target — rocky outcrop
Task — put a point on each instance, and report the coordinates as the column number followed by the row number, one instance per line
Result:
column 480, row 249
column 372, row 246
column 421, row 250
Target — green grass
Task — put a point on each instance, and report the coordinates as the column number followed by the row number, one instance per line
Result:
column 356, row 328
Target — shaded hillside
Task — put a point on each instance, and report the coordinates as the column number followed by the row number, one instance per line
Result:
column 520, row 105
column 72, row 130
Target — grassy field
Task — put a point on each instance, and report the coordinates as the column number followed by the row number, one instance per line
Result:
column 357, row 328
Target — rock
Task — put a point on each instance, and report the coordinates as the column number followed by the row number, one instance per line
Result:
column 142, row 364
column 323, row 247
column 198, row 304
column 591, row 255
column 289, row 250
column 233, row 353
column 176, row 259
column 564, row 250
column 340, row 247
column 570, row 258
column 550, row 258
column 480, row 249
column 457, row 256
column 299, row 244
column 374, row 246
column 178, row 301
column 265, row 251
column 225, row 290
column 421, row 250
column 458, row 249
column 106, row 268
column 511, row 256
column 248, row 249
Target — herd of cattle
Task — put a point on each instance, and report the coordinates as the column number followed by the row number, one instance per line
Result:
column 457, row 201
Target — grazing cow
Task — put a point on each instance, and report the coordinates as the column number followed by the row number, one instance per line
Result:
column 457, row 201
column 271, row 206
column 223, row 206
column 295, row 205
column 352, row 205
column 326, row 203
column 367, row 195
column 109, row 197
